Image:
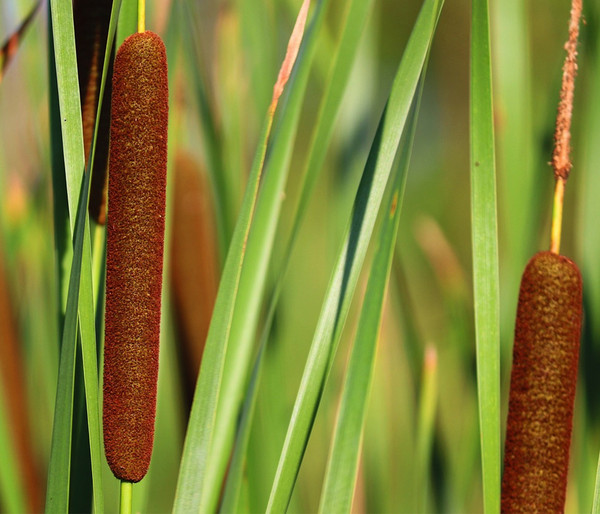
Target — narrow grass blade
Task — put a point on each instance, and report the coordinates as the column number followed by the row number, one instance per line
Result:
column 128, row 15
column 60, row 210
column 596, row 504
column 192, row 492
column 57, row 496
column 258, row 255
column 69, row 102
column 356, row 19
column 80, row 300
column 233, row 487
column 350, row 260
column 485, row 254
column 342, row 466
column 355, row 22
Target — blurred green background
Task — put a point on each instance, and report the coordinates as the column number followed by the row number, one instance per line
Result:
column 240, row 45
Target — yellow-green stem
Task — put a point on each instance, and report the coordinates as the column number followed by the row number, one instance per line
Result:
column 141, row 15
column 126, row 497
column 557, row 210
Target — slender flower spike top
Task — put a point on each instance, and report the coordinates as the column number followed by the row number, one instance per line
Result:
column 135, row 241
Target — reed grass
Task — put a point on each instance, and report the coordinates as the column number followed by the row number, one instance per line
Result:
column 300, row 200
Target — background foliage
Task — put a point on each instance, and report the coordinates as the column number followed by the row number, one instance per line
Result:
column 422, row 429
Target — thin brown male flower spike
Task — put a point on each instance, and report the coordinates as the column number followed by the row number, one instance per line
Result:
column 562, row 135
column 135, row 232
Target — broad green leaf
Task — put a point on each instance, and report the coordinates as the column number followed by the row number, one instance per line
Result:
column 258, row 255
column 343, row 282
column 355, row 21
column 342, row 466
column 199, row 481
column 485, row 254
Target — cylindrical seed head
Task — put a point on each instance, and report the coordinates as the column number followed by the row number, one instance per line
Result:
column 542, row 387
column 194, row 265
column 136, row 222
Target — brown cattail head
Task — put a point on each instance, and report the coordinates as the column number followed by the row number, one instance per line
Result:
column 91, row 21
column 135, row 231
column 542, row 386
column 194, row 264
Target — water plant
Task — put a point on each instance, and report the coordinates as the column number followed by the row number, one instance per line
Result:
column 372, row 201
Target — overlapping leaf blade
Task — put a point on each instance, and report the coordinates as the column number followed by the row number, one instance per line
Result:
column 485, row 254
column 351, row 257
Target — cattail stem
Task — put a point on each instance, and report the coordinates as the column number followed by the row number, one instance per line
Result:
column 141, row 15
column 561, row 160
column 126, row 498
column 557, row 212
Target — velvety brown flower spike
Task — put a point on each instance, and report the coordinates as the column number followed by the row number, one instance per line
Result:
column 542, row 387
column 135, row 232
column 546, row 347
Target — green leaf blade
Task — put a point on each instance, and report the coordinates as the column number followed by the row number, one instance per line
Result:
column 349, row 263
column 342, row 465
column 485, row 254
column 205, row 454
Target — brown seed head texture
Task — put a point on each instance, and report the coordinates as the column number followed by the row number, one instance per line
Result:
column 91, row 20
column 135, row 242
column 542, row 386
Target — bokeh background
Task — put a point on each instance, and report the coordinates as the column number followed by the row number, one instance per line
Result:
column 238, row 46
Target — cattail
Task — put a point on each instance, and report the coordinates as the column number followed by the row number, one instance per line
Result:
column 194, row 264
column 91, row 21
column 135, row 231
column 542, row 387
